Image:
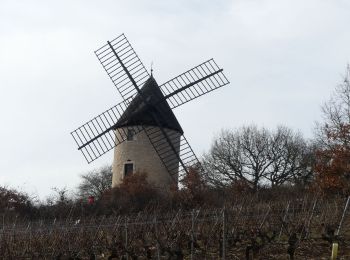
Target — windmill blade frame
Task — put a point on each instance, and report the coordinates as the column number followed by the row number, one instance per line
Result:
column 97, row 136
column 113, row 56
column 128, row 74
column 177, row 163
column 194, row 83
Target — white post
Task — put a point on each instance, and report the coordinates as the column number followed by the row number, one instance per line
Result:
column 334, row 251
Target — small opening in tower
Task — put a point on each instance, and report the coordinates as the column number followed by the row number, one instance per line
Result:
column 128, row 169
column 130, row 134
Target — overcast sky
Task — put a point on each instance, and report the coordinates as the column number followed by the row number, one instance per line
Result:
column 283, row 59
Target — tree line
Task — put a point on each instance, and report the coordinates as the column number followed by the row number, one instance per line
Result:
column 246, row 159
column 259, row 157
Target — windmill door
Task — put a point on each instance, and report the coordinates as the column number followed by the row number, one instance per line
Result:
column 128, row 169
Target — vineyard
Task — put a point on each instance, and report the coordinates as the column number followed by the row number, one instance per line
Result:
column 250, row 229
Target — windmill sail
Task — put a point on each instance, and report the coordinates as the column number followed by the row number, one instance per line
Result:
column 179, row 162
column 97, row 136
column 193, row 83
column 146, row 107
column 111, row 55
column 150, row 110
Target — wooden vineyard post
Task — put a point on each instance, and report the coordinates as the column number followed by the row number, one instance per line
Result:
column 223, row 235
column 283, row 220
column 342, row 218
column 265, row 216
column 126, row 238
column 156, row 233
column 309, row 221
column 192, row 236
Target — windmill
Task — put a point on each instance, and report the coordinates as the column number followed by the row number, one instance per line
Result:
column 143, row 129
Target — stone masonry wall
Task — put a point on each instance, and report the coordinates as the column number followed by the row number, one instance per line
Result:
column 141, row 153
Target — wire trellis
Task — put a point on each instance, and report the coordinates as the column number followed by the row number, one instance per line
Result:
column 196, row 234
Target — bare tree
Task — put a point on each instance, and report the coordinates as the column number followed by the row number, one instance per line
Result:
column 14, row 200
column 96, row 182
column 257, row 157
column 239, row 155
column 292, row 158
column 336, row 115
column 61, row 196
column 333, row 136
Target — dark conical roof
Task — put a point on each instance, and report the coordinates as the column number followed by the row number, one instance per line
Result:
column 140, row 113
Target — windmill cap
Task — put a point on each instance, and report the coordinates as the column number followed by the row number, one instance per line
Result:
column 140, row 112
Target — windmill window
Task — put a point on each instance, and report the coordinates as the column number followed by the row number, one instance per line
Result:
column 130, row 134
column 128, row 169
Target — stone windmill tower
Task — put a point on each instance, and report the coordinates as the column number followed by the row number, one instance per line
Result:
column 143, row 128
column 137, row 153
